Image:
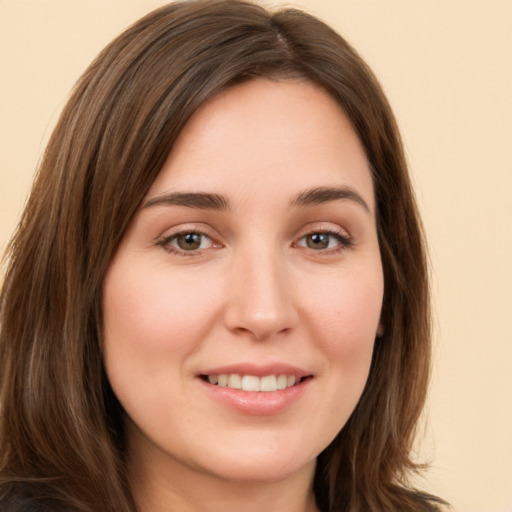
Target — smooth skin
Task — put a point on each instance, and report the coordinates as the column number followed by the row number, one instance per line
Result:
column 276, row 261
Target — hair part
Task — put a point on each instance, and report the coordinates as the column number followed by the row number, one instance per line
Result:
column 61, row 427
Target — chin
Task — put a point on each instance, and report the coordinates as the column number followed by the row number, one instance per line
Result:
column 264, row 472
column 262, row 464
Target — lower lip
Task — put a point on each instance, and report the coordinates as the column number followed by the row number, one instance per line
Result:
column 257, row 403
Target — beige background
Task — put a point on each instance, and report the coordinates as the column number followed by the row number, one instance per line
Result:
column 447, row 68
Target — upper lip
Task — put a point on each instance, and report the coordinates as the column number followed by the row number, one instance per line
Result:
column 257, row 370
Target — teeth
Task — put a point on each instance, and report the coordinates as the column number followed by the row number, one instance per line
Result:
column 250, row 383
column 268, row 383
column 235, row 381
column 282, row 382
column 253, row 383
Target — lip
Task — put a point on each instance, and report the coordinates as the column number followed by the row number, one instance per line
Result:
column 258, row 370
column 253, row 403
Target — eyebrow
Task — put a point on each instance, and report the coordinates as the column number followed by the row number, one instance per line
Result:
column 200, row 200
column 211, row 201
column 321, row 195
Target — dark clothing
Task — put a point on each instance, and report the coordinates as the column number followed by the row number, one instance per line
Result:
column 21, row 498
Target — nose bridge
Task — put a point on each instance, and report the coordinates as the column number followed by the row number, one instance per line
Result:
column 260, row 297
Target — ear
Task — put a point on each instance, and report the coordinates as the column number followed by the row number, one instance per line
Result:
column 380, row 330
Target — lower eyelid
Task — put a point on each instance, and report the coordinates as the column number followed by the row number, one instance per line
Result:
column 343, row 239
column 166, row 242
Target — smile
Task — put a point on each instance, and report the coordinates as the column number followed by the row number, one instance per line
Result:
column 253, row 382
column 256, row 390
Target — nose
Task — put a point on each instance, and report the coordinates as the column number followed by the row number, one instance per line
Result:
column 260, row 299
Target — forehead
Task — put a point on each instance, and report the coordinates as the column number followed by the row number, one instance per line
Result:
column 267, row 138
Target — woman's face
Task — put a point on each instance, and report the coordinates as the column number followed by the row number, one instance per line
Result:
column 253, row 263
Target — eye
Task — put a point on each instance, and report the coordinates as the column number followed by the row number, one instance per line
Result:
column 324, row 240
column 189, row 241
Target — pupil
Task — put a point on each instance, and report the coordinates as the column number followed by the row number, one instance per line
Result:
column 189, row 241
column 318, row 241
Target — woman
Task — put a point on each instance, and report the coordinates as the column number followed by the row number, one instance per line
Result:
column 217, row 296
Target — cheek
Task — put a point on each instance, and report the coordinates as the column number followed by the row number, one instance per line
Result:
column 151, row 325
column 147, row 312
column 349, row 306
column 344, row 321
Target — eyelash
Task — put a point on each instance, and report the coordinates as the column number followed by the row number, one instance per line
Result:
column 165, row 243
column 345, row 242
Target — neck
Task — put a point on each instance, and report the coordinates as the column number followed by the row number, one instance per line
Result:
column 174, row 486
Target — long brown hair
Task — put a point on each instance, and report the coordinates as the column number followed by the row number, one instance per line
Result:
column 61, row 428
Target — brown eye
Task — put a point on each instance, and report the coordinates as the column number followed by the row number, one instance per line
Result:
column 324, row 240
column 187, row 242
column 318, row 240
